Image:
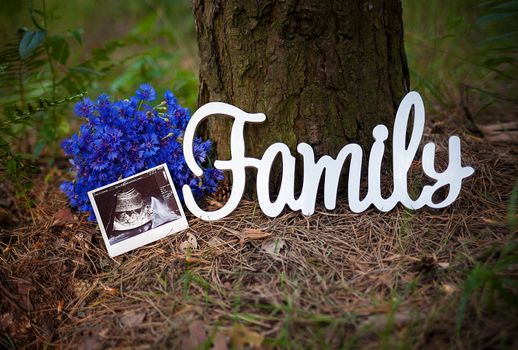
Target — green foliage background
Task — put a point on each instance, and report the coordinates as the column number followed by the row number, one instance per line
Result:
column 462, row 57
column 54, row 52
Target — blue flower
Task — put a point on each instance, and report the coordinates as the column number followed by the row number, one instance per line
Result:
column 170, row 98
column 119, row 140
column 103, row 104
column 99, row 164
column 113, row 153
column 146, row 92
column 200, row 150
column 67, row 187
column 84, row 108
column 150, row 146
column 122, row 109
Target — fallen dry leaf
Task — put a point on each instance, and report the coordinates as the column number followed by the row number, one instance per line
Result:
column 385, row 278
column 393, row 257
column 62, row 217
column 241, row 336
column 24, row 287
column 500, row 131
column 192, row 240
column 377, row 323
column 24, row 325
column 132, row 318
column 5, row 321
column 190, row 244
column 197, row 336
column 444, row 265
column 110, row 291
column 449, row 288
column 61, row 304
column 191, row 259
column 220, row 341
column 214, row 203
column 103, row 333
column 273, row 246
column 185, row 247
column 490, row 221
column 400, row 257
column 59, row 308
column 252, row 234
column 88, row 342
column 215, row 242
column 197, row 331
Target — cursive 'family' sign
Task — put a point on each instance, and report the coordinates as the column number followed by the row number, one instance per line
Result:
column 403, row 154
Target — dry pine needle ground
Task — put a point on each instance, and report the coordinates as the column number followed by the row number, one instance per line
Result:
column 331, row 280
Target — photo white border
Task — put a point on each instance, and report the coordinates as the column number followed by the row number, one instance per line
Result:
column 144, row 237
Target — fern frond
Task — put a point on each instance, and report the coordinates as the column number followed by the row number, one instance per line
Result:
column 17, row 83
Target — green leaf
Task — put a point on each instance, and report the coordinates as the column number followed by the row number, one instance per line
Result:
column 496, row 61
column 76, row 33
column 63, row 127
column 30, row 41
column 500, row 37
column 510, row 5
column 85, row 70
column 484, row 20
column 39, row 148
column 32, row 13
column 59, row 48
column 146, row 25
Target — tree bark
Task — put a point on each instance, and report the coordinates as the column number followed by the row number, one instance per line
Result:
column 324, row 72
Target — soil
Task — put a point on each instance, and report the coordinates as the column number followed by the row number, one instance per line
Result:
column 332, row 280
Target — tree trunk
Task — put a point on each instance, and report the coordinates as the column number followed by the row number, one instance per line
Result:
column 324, row 72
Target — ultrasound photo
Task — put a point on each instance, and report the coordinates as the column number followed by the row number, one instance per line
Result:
column 138, row 210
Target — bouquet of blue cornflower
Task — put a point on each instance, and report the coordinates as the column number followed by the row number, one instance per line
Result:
column 124, row 137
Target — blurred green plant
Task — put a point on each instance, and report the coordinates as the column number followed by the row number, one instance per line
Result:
column 462, row 54
column 46, row 66
column 18, row 170
column 31, row 78
column 494, row 283
column 30, row 95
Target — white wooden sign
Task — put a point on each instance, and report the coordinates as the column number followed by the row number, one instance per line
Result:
column 402, row 158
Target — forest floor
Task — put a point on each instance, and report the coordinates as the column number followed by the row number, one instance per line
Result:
column 425, row 279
